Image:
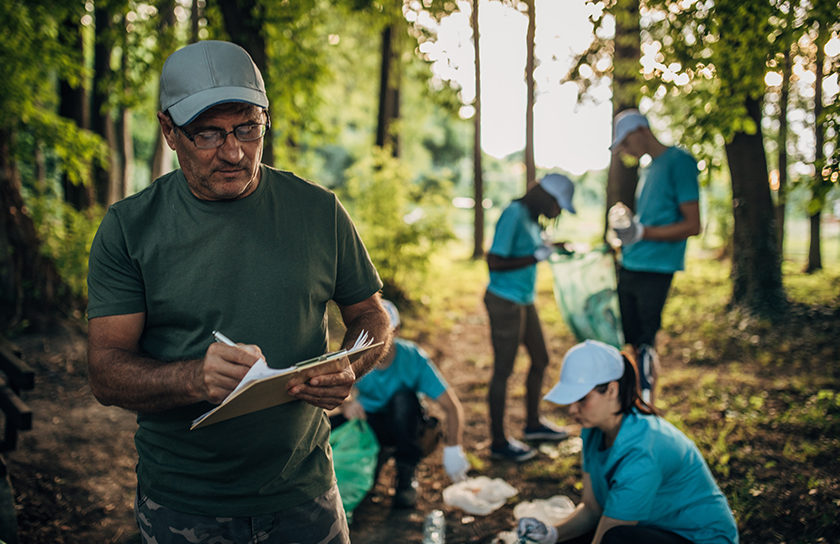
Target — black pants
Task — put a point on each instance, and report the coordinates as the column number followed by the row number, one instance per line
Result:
column 400, row 428
column 641, row 297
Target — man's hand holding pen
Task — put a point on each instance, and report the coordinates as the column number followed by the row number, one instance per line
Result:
column 223, row 367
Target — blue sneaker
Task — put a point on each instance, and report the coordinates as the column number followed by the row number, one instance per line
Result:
column 545, row 431
column 513, row 450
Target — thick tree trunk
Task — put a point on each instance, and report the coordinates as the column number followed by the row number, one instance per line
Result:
column 31, row 291
column 756, row 267
column 244, row 20
column 478, row 172
column 622, row 179
column 530, row 166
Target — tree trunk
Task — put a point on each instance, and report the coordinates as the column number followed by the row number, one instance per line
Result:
column 478, row 179
column 626, row 89
column 31, row 291
column 819, row 190
column 389, row 92
column 530, row 166
column 195, row 19
column 784, row 99
column 101, row 122
column 756, row 268
column 244, row 21
column 162, row 156
column 126, row 175
column 73, row 105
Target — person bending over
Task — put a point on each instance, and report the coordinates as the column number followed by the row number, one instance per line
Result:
column 387, row 397
column 512, row 259
column 644, row 481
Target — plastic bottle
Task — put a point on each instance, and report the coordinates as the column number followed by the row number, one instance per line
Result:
column 620, row 216
column 434, row 528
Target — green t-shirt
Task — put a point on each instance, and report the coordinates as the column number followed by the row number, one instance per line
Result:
column 261, row 270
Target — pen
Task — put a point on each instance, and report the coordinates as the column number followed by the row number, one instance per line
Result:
column 223, row 339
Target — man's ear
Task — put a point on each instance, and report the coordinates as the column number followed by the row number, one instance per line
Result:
column 167, row 127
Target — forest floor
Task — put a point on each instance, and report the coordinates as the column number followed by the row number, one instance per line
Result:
column 761, row 401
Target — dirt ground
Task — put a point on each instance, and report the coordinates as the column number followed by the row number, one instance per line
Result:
column 73, row 473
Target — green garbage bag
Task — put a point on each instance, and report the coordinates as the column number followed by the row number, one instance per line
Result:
column 585, row 290
column 355, row 451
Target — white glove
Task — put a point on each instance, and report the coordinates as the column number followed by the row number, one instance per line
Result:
column 352, row 409
column 631, row 234
column 542, row 253
column 533, row 530
column 455, row 463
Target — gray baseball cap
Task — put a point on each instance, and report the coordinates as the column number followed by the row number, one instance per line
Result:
column 203, row 74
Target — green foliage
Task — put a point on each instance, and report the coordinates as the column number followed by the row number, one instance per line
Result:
column 67, row 235
column 401, row 223
column 30, row 54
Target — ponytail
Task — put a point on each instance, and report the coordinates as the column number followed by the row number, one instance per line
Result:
column 629, row 392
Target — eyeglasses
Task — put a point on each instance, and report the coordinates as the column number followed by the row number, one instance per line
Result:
column 212, row 138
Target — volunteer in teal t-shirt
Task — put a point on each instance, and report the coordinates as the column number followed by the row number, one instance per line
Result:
column 517, row 248
column 653, row 246
column 226, row 243
column 389, row 398
column 643, row 479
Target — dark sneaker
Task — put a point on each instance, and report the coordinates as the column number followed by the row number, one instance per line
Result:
column 406, row 497
column 514, row 450
column 545, row 431
column 406, row 492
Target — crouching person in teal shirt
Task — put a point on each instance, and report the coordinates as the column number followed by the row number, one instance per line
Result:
column 387, row 397
column 643, row 479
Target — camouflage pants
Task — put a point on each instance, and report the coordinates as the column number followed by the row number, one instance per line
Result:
column 321, row 521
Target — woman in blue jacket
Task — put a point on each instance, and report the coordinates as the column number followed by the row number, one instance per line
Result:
column 643, row 479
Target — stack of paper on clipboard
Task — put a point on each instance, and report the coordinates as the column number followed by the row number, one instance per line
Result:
column 264, row 387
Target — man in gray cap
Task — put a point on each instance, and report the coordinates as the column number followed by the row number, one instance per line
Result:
column 653, row 241
column 512, row 259
column 226, row 243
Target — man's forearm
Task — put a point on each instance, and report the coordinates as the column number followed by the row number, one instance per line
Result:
column 142, row 384
column 367, row 316
column 381, row 333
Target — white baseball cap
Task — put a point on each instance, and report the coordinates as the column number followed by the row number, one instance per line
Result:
column 586, row 365
column 203, row 74
column 561, row 188
column 393, row 313
column 625, row 122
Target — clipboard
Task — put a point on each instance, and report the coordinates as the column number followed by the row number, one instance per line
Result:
column 270, row 391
